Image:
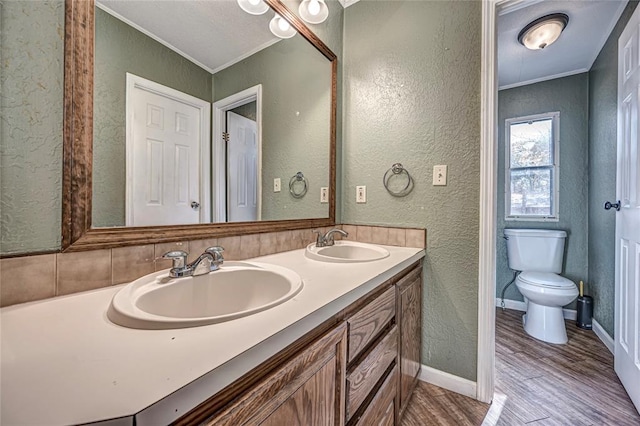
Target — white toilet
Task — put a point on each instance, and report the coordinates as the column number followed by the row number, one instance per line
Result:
column 538, row 254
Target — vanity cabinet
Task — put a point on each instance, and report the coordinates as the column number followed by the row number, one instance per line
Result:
column 357, row 369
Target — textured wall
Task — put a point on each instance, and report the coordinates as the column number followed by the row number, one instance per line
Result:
column 603, row 89
column 31, row 135
column 570, row 96
column 120, row 49
column 296, row 92
column 411, row 95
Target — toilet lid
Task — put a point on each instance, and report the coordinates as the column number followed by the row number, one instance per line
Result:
column 546, row 279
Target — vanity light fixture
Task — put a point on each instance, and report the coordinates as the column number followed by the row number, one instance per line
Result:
column 313, row 11
column 543, row 31
column 280, row 27
column 253, row 7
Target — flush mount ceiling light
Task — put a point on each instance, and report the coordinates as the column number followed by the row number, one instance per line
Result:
column 253, row 7
column 313, row 11
column 543, row 31
column 280, row 27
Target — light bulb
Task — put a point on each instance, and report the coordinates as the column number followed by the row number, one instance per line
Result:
column 313, row 11
column 314, row 7
column 253, row 7
column 283, row 24
column 280, row 27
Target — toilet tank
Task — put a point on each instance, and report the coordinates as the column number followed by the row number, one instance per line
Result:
column 539, row 250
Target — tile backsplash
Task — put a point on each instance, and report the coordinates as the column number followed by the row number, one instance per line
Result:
column 29, row 278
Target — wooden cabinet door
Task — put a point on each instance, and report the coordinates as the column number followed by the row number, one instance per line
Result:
column 307, row 390
column 410, row 319
column 313, row 403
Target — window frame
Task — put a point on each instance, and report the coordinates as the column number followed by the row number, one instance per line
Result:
column 554, row 167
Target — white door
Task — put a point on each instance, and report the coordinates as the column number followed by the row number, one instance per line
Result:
column 627, row 275
column 242, row 169
column 166, row 145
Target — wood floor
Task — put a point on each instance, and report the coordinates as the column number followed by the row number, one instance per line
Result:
column 537, row 384
column 431, row 405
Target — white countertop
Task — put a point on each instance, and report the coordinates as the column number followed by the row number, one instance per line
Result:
column 64, row 362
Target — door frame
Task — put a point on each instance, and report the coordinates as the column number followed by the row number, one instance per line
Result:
column 485, row 379
column 136, row 82
column 219, row 158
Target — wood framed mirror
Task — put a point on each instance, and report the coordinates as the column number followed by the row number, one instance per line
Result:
column 78, row 162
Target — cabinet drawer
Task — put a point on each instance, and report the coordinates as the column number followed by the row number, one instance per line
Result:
column 370, row 370
column 368, row 322
column 381, row 410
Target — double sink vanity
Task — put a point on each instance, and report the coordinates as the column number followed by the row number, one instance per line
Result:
column 315, row 336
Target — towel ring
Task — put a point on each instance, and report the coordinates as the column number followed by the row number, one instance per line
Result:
column 298, row 177
column 398, row 170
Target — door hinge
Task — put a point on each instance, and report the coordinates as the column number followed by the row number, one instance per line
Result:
column 225, row 136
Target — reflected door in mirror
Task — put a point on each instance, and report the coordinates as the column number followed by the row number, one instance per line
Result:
column 165, row 149
column 243, row 169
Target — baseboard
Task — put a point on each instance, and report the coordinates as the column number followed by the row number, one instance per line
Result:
column 603, row 335
column 448, row 381
column 492, row 418
column 516, row 305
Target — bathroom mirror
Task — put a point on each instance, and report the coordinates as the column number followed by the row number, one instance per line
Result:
column 94, row 170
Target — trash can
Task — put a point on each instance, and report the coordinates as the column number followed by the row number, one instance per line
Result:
column 585, row 312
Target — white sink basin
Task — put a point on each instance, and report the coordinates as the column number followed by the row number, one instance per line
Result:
column 237, row 289
column 346, row 252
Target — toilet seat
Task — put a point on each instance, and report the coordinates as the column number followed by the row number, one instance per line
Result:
column 546, row 279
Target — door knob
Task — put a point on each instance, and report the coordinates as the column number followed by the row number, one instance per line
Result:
column 195, row 205
column 609, row 205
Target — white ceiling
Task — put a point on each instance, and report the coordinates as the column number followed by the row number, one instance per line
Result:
column 590, row 23
column 211, row 33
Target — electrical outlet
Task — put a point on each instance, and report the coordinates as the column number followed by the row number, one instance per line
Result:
column 440, row 175
column 361, row 194
column 324, row 195
column 276, row 185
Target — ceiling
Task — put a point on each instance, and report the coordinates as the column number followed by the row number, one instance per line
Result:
column 590, row 23
column 211, row 33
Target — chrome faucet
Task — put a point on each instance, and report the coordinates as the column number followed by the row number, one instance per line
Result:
column 208, row 261
column 327, row 239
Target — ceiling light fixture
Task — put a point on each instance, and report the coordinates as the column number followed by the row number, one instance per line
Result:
column 253, row 7
column 543, row 31
column 280, row 27
column 313, row 11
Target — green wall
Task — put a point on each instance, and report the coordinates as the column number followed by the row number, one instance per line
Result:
column 31, row 78
column 119, row 49
column 603, row 89
column 570, row 96
column 412, row 95
column 296, row 95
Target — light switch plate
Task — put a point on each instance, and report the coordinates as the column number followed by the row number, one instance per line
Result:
column 361, row 194
column 276, row 185
column 439, row 175
column 324, row 194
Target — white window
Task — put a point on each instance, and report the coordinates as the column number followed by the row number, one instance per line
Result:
column 531, row 184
